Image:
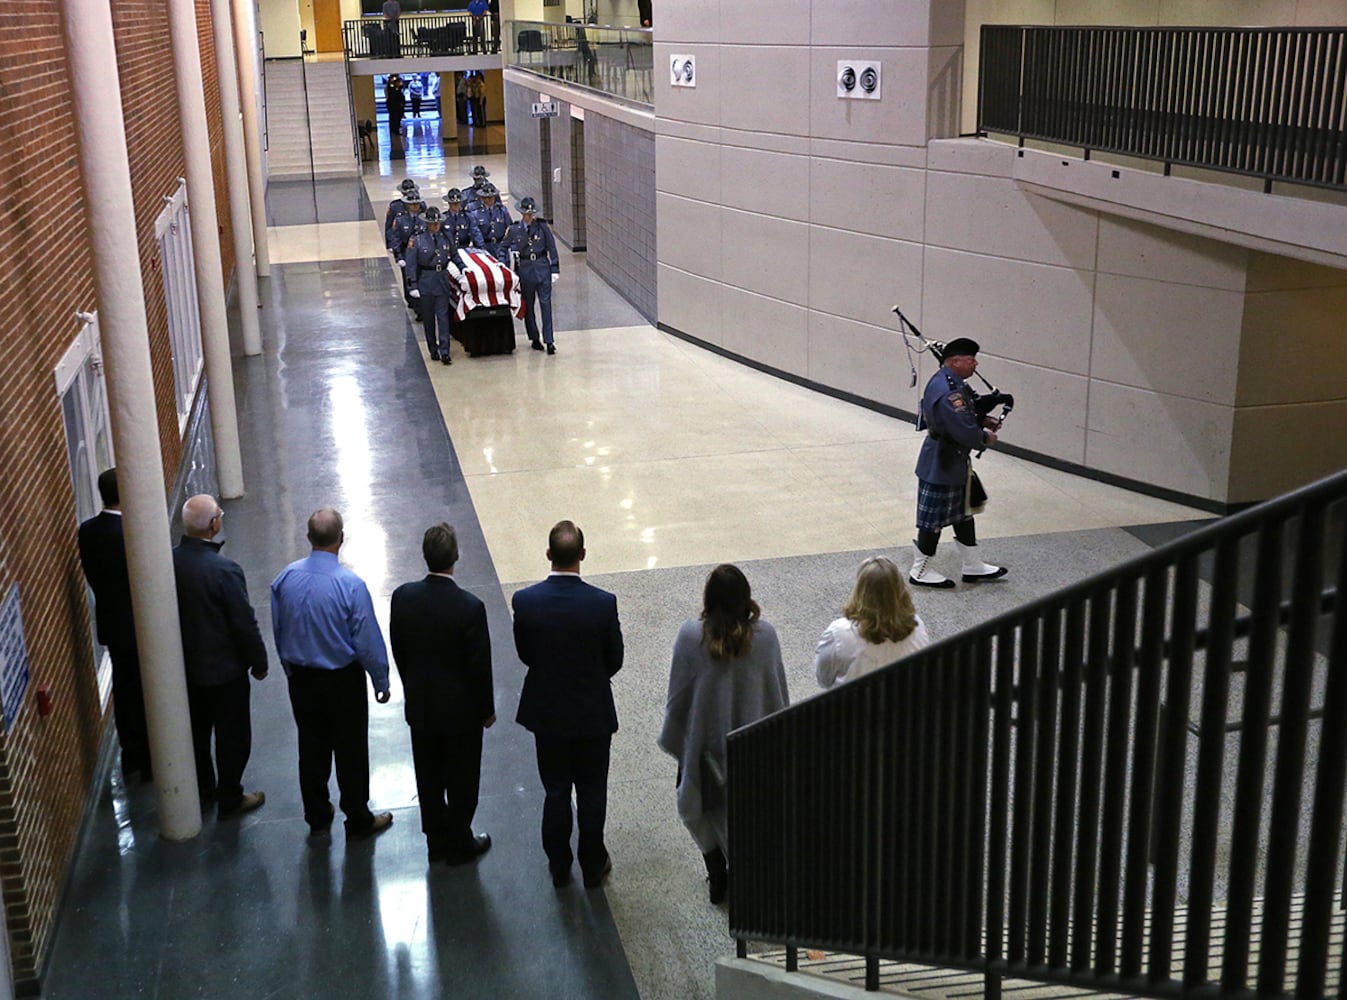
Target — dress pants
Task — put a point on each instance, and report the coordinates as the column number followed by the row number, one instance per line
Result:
column 564, row 762
column 128, row 708
column 448, row 763
column 332, row 715
column 435, row 307
column 221, row 709
column 535, row 281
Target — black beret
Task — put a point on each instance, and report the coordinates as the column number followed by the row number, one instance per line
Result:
column 961, row 346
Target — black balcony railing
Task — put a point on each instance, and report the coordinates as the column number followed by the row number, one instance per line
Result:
column 1266, row 102
column 421, row 35
column 1134, row 785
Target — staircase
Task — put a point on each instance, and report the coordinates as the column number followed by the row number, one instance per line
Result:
column 308, row 107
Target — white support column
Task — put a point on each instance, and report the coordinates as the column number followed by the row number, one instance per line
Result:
column 96, row 94
column 245, row 39
column 236, row 170
column 206, row 246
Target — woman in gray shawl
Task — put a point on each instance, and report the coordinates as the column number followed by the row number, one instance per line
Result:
column 727, row 672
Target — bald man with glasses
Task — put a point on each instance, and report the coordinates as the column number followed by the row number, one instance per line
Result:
column 221, row 645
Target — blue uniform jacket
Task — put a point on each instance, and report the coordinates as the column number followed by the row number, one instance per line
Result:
column 493, row 223
column 535, row 245
column 430, row 264
column 460, row 227
column 404, row 228
column 396, row 207
column 952, row 430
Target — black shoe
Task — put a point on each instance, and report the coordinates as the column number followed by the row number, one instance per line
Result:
column 319, row 829
column 446, row 359
column 551, row 348
column 434, row 355
column 537, row 345
column 382, row 821
column 249, row 802
column 561, row 877
column 596, row 880
column 481, row 843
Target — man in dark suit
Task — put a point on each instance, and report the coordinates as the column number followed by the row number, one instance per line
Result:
column 568, row 635
column 443, row 654
column 103, row 556
column 221, row 645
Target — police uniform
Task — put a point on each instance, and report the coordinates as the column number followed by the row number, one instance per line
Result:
column 537, row 263
column 396, row 207
column 399, row 235
column 432, row 271
column 462, row 229
column 472, row 195
column 944, row 466
column 493, row 223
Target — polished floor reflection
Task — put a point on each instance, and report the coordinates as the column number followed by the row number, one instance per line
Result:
column 672, row 459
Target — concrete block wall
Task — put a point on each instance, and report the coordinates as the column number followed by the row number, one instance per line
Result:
column 529, row 147
column 567, row 135
column 790, row 221
column 620, row 208
column 47, row 764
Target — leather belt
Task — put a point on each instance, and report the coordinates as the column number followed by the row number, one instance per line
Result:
column 533, row 256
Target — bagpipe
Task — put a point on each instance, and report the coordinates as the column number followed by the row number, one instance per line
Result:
column 984, row 403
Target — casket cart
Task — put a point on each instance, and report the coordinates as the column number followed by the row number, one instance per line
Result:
column 489, row 300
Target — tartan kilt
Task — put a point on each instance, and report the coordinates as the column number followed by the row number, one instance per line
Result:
column 939, row 504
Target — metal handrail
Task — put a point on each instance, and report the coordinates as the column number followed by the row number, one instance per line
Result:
column 1262, row 102
column 421, row 35
column 1025, row 799
column 612, row 60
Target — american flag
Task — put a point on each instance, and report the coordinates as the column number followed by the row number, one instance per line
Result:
column 485, row 281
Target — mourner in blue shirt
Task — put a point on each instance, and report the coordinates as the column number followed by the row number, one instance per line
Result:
column 327, row 639
column 944, row 467
column 538, row 268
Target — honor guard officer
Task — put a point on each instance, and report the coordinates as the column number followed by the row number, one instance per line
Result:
column 400, row 233
column 458, row 224
column 538, row 268
column 493, row 220
column 434, row 281
column 944, row 467
column 397, row 206
column 474, row 191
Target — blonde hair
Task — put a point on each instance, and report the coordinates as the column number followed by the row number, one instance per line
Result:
column 880, row 603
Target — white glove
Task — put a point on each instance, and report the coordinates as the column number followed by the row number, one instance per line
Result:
column 555, row 277
column 402, row 263
column 415, row 293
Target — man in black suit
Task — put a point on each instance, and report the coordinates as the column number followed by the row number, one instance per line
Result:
column 568, row 635
column 221, row 645
column 103, row 556
column 443, row 654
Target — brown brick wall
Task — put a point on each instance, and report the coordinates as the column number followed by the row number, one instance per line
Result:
column 46, row 765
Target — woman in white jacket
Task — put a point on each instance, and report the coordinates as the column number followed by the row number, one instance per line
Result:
column 879, row 626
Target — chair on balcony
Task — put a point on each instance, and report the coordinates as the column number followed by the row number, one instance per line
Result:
column 530, row 40
column 376, row 39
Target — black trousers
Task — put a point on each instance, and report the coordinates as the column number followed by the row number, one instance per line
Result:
column 448, row 762
column 564, row 763
column 128, row 708
column 332, row 715
column 222, row 710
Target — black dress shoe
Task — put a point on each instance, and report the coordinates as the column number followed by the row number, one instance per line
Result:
column 481, row 843
column 561, row 877
column 434, row 355
column 446, row 359
column 537, row 345
column 596, row 880
column 551, row 348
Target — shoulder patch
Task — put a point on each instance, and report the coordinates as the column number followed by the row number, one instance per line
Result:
column 956, row 400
